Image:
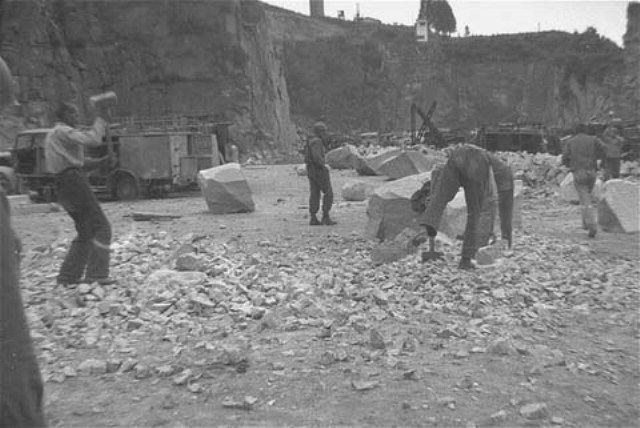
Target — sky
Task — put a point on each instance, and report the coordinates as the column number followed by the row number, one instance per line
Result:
column 486, row 17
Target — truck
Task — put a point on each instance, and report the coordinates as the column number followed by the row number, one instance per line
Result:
column 147, row 162
column 514, row 137
column 7, row 175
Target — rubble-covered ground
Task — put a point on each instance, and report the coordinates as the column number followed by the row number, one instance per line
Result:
column 273, row 322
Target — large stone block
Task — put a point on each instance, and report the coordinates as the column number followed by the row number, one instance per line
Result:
column 345, row 157
column 618, row 207
column 354, row 190
column 389, row 210
column 406, row 163
column 369, row 165
column 225, row 189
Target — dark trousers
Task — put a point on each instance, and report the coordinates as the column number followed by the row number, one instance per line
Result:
column 20, row 381
column 476, row 198
column 90, row 249
column 319, row 181
column 505, row 210
column 611, row 168
column 584, row 182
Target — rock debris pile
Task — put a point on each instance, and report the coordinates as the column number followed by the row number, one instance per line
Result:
column 209, row 302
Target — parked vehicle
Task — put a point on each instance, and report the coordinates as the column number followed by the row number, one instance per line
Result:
column 7, row 175
column 511, row 137
column 147, row 163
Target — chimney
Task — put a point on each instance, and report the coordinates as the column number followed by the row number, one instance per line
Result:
column 316, row 8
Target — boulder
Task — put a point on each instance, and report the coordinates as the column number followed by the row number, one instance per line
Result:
column 354, row 190
column 618, row 207
column 344, row 157
column 406, row 163
column 225, row 189
column 568, row 191
column 369, row 165
column 389, row 210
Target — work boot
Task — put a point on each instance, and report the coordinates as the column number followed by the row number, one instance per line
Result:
column 101, row 281
column 67, row 282
column 593, row 230
column 465, row 263
column 326, row 220
column 314, row 221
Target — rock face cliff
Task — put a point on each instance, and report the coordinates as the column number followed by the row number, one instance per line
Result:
column 162, row 58
column 632, row 57
column 260, row 66
column 368, row 78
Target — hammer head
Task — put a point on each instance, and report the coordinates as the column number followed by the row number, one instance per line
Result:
column 105, row 99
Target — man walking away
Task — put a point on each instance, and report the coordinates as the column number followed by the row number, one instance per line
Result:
column 470, row 166
column 318, row 174
column 612, row 152
column 64, row 155
column 581, row 153
column 20, row 381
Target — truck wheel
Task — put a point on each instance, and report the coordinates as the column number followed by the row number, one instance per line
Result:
column 127, row 188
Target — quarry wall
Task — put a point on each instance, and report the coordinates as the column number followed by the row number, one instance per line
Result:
column 265, row 68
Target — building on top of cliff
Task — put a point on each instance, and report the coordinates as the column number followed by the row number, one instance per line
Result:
column 316, row 8
column 422, row 30
column 422, row 23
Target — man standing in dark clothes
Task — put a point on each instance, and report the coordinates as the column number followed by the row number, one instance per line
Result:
column 581, row 153
column 64, row 154
column 318, row 174
column 612, row 152
column 472, row 168
column 20, row 381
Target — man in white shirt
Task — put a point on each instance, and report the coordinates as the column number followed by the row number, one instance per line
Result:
column 64, row 156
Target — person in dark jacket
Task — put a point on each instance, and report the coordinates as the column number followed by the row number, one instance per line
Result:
column 485, row 180
column 612, row 152
column 581, row 153
column 318, row 174
column 21, row 389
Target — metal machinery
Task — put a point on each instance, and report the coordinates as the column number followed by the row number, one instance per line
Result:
column 627, row 129
column 152, row 158
column 428, row 133
column 513, row 137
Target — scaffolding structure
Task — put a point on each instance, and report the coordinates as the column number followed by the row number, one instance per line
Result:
column 203, row 124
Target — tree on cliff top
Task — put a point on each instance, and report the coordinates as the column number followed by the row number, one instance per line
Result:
column 439, row 16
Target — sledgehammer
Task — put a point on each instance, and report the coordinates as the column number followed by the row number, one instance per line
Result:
column 106, row 100
column 432, row 254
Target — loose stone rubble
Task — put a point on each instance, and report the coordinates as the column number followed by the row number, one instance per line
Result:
column 235, row 295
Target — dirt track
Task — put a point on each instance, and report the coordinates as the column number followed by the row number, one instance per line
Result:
column 596, row 383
